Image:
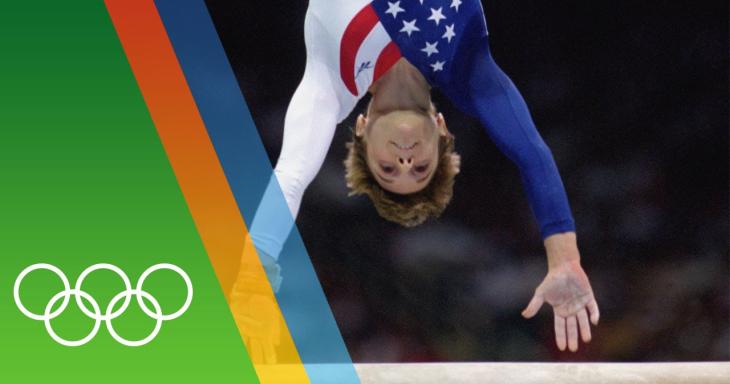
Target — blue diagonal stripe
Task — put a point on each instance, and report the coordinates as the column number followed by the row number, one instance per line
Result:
column 248, row 170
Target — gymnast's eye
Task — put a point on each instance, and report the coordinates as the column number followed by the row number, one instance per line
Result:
column 421, row 168
column 387, row 169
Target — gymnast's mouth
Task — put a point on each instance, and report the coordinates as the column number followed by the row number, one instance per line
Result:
column 404, row 147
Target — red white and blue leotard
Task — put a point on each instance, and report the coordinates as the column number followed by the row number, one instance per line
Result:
column 351, row 43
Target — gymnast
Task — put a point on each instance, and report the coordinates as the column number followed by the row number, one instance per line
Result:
column 402, row 154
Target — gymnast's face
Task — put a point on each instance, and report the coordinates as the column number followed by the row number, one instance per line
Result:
column 402, row 147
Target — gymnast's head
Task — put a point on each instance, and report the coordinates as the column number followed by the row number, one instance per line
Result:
column 404, row 160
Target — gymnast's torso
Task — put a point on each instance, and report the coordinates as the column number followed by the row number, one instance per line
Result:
column 352, row 43
column 358, row 41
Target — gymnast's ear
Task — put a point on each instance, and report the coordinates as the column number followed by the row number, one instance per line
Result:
column 360, row 124
column 441, row 124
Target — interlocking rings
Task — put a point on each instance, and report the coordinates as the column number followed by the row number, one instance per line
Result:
column 95, row 312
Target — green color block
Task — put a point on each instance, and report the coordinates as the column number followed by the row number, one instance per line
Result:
column 84, row 179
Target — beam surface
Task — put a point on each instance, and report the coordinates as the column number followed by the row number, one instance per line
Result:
column 540, row 373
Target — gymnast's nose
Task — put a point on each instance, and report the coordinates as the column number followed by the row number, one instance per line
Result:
column 405, row 163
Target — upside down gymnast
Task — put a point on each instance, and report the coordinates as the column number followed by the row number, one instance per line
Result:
column 402, row 153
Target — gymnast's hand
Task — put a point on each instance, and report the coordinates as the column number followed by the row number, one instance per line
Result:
column 254, row 307
column 567, row 289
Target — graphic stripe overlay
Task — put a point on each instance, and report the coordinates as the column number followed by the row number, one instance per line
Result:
column 250, row 176
column 199, row 174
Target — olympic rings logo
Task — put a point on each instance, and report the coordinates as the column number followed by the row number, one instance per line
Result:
column 95, row 312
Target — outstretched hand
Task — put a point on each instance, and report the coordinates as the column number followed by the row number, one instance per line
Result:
column 254, row 307
column 567, row 289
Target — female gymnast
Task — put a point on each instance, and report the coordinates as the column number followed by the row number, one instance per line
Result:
column 402, row 154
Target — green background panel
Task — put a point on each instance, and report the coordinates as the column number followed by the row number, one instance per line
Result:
column 84, row 179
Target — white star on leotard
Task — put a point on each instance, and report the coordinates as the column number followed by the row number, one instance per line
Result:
column 394, row 9
column 455, row 4
column 449, row 34
column 438, row 66
column 409, row 27
column 437, row 15
column 430, row 49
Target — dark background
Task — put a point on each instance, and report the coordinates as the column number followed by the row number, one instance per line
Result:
column 631, row 96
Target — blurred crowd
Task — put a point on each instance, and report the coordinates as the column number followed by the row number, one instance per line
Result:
column 632, row 98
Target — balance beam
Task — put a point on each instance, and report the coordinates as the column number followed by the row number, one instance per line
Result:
column 542, row 373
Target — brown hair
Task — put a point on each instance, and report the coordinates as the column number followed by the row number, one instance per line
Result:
column 411, row 209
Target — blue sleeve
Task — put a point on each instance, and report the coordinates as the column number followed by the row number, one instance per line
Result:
column 485, row 92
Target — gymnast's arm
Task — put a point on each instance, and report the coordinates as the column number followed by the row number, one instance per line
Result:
column 309, row 126
column 493, row 98
column 308, row 130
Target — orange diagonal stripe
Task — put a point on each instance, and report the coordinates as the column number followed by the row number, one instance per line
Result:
column 203, row 183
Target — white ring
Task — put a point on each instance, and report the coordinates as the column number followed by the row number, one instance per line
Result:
column 127, row 286
column 157, row 317
column 182, row 274
column 96, row 317
column 26, row 271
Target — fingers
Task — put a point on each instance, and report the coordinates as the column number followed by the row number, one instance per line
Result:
column 560, row 332
column 593, row 309
column 585, row 327
column 533, row 307
column 566, row 330
column 572, row 325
